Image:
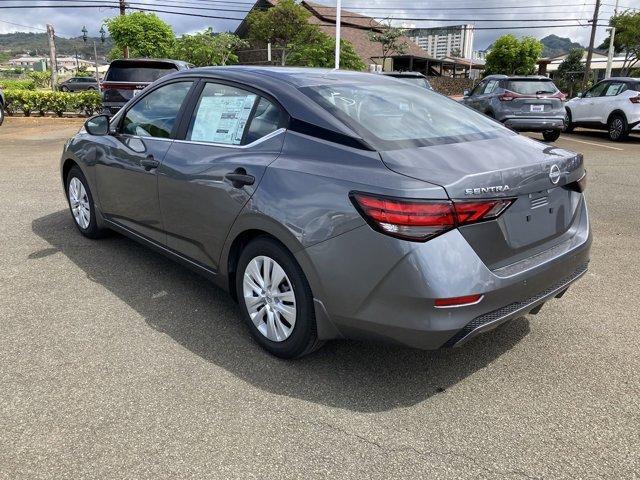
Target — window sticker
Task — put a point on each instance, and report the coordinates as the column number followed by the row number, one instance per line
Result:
column 222, row 119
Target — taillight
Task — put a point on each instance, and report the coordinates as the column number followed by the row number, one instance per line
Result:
column 457, row 301
column 506, row 97
column 561, row 96
column 421, row 220
column 635, row 99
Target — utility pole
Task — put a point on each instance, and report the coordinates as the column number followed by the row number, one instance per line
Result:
column 612, row 37
column 594, row 27
column 338, row 21
column 52, row 56
column 123, row 11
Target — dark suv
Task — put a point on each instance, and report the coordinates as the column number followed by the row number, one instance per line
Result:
column 77, row 84
column 126, row 78
column 522, row 103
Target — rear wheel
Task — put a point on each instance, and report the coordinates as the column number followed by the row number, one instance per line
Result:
column 551, row 135
column 64, row 88
column 617, row 127
column 568, row 125
column 276, row 300
column 1, row 113
column 81, row 204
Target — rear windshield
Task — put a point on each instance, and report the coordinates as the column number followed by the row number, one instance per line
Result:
column 392, row 115
column 138, row 71
column 418, row 81
column 635, row 86
column 531, row 87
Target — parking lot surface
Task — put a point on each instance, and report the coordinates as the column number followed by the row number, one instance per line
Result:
column 117, row 363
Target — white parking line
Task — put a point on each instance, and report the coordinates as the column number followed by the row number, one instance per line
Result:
column 593, row 143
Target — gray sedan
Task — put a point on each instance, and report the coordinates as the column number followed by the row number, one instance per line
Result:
column 334, row 204
column 78, row 84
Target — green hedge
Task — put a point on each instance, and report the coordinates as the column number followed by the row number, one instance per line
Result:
column 7, row 84
column 28, row 102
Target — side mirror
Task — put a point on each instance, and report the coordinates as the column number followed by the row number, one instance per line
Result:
column 466, row 92
column 98, row 125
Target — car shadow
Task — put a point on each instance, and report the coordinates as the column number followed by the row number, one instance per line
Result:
column 356, row 376
column 601, row 135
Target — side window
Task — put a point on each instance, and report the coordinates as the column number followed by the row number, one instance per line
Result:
column 479, row 88
column 154, row 115
column 597, row 90
column 221, row 115
column 615, row 89
column 491, row 86
column 266, row 119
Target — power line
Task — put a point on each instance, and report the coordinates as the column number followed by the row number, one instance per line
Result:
column 24, row 26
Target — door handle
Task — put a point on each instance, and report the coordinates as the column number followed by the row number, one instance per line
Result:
column 239, row 178
column 149, row 163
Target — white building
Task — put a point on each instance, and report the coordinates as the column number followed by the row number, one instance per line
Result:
column 441, row 42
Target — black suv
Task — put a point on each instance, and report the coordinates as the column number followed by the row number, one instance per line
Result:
column 126, row 78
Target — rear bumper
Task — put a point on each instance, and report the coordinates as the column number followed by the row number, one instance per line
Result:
column 534, row 124
column 379, row 288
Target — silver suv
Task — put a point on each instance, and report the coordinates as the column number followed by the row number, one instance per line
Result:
column 524, row 103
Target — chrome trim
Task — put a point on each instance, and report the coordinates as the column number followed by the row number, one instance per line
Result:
column 139, row 137
column 224, row 145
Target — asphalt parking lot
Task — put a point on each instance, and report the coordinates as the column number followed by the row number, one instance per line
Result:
column 117, row 363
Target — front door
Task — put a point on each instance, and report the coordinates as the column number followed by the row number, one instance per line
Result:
column 212, row 170
column 585, row 108
column 126, row 171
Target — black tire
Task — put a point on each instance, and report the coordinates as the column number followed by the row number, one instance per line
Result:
column 91, row 230
column 64, row 88
column 568, row 124
column 1, row 113
column 304, row 336
column 551, row 135
column 617, row 127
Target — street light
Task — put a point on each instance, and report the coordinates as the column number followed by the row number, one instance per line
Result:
column 95, row 52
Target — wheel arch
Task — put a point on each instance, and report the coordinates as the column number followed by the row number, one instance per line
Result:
column 67, row 165
column 616, row 112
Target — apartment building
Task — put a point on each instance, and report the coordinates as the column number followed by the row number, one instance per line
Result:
column 441, row 42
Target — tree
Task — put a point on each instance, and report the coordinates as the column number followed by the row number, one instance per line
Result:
column 144, row 33
column 321, row 53
column 627, row 38
column 570, row 72
column 207, row 48
column 511, row 56
column 390, row 39
column 284, row 25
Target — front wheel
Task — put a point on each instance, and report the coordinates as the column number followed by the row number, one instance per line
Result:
column 64, row 88
column 551, row 135
column 618, row 128
column 568, row 126
column 81, row 204
column 276, row 300
column 1, row 113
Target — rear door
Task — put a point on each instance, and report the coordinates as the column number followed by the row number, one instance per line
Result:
column 606, row 102
column 215, row 165
column 127, row 170
column 532, row 97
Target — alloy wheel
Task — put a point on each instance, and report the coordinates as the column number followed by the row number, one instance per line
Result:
column 79, row 201
column 269, row 298
column 616, row 128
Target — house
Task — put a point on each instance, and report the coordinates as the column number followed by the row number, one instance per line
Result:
column 355, row 29
column 549, row 66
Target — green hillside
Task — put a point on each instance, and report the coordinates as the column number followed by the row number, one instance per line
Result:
column 21, row 43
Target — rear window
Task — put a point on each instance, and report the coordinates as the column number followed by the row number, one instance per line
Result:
column 418, row 81
column 635, row 86
column 391, row 115
column 146, row 72
column 531, row 87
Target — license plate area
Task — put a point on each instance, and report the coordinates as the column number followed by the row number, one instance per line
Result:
column 536, row 108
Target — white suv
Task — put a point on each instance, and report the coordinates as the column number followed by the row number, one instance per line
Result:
column 612, row 104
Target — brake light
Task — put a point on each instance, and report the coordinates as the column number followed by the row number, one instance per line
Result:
column 421, row 220
column 506, row 97
column 561, row 96
column 635, row 99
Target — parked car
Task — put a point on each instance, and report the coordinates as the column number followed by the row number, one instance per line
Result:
column 336, row 204
column 78, row 84
column 1, row 107
column 414, row 78
column 128, row 77
column 612, row 104
column 522, row 103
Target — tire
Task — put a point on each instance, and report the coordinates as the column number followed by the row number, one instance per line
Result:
column 551, row 135
column 64, row 88
column 81, row 204
column 1, row 113
column 568, row 125
column 617, row 128
column 287, row 307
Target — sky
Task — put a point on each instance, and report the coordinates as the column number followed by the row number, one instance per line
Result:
column 512, row 14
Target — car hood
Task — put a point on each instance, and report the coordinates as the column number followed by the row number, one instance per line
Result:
column 509, row 165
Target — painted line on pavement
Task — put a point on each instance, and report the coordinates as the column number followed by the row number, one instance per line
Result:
column 593, row 143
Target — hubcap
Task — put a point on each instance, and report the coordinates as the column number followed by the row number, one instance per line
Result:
column 616, row 128
column 79, row 202
column 270, row 299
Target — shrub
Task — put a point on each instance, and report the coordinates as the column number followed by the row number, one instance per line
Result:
column 28, row 101
column 17, row 84
column 40, row 79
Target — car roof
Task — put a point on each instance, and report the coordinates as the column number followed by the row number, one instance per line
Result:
column 403, row 74
column 178, row 63
column 622, row 79
column 517, row 77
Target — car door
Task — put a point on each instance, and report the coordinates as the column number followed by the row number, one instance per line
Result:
column 473, row 100
column 584, row 110
column 126, row 172
column 606, row 102
column 215, row 165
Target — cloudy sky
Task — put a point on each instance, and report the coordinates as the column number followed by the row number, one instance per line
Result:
column 511, row 14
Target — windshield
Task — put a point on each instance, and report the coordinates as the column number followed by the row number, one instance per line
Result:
column 418, row 81
column 531, row 87
column 391, row 115
column 138, row 72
